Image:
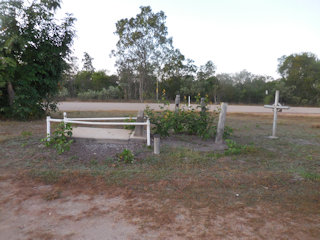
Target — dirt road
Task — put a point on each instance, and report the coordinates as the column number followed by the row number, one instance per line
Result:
column 111, row 106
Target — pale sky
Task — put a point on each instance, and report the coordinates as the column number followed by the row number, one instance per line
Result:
column 234, row 34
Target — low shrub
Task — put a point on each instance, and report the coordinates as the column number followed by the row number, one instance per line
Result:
column 63, row 93
column 187, row 121
column 59, row 139
column 126, row 156
column 236, row 149
column 103, row 94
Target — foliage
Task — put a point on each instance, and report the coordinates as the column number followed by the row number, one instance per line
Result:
column 87, row 63
column 59, row 139
column 142, row 45
column 83, row 81
column 227, row 132
column 104, row 94
column 129, row 127
column 101, row 80
column 310, row 176
column 63, row 93
column 126, row 156
column 301, row 75
column 26, row 134
column 236, row 149
column 188, row 121
column 34, row 49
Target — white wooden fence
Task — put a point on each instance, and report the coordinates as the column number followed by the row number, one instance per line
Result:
column 88, row 121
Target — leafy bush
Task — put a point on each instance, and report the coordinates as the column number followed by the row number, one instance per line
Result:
column 110, row 93
column 59, row 138
column 129, row 127
column 126, row 156
column 113, row 92
column 227, row 132
column 188, row 121
column 63, row 93
column 90, row 94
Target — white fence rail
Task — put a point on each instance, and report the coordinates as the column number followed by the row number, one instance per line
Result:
column 87, row 121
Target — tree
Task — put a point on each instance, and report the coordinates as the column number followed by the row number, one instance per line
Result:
column 142, row 46
column 177, row 74
column 83, row 81
column 301, row 73
column 206, row 71
column 87, row 63
column 101, row 80
column 34, row 50
column 207, row 83
column 227, row 89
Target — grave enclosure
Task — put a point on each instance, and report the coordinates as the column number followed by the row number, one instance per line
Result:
column 107, row 134
column 115, row 135
column 141, row 122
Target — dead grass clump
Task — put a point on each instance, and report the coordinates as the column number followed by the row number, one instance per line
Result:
column 40, row 235
column 91, row 212
column 52, row 195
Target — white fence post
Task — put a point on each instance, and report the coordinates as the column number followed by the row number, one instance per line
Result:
column 148, row 132
column 48, row 128
column 65, row 119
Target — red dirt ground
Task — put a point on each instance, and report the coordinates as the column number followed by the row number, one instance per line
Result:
column 31, row 210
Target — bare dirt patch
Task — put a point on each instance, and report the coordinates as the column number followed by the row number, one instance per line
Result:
column 117, row 213
column 27, row 214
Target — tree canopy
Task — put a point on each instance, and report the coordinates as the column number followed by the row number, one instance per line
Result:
column 87, row 62
column 142, row 45
column 301, row 74
column 34, row 52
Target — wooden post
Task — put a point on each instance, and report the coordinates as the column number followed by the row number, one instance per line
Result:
column 48, row 128
column 203, row 105
column 177, row 103
column 138, row 131
column 222, row 120
column 156, row 148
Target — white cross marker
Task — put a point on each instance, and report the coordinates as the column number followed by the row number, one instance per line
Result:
column 276, row 107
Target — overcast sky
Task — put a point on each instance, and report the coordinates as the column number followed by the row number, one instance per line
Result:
column 234, row 34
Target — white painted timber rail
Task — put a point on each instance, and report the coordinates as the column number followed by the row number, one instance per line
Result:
column 88, row 121
column 103, row 119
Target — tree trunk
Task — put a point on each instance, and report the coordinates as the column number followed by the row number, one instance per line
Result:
column 141, row 88
column 11, row 93
column 157, row 90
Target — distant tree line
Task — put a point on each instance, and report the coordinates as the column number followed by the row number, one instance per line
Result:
column 299, row 83
column 36, row 66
